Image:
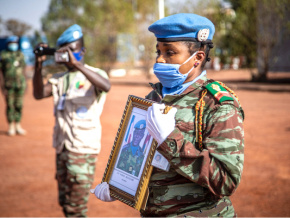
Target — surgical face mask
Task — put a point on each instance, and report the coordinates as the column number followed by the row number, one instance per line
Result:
column 169, row 75
column 78, row 55
column 13, row 46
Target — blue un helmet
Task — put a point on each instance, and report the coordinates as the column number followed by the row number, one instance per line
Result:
column 12, row 43
column 71, row 34
column 183, row 27
column 141, row 124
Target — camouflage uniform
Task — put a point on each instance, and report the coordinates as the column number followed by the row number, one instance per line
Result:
column 199, row 181
column 130, row 162
column 12, row 64
column 75, row 175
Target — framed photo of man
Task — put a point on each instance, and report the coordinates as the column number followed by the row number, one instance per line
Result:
column 129, row 166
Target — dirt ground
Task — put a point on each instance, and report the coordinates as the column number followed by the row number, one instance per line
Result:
column 27, row 163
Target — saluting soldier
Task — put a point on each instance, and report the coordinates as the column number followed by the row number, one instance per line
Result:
column 202, row 136
column 79, row 95
column 131, row 157
column 13, row 84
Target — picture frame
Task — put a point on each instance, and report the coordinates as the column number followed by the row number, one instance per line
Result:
column 129, row 166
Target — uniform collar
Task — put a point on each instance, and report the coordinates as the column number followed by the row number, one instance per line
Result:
column 157, row 87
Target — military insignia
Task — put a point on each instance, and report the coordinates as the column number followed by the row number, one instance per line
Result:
column 141, row 126
column 216, row 87
column 203, row 35
column 80, row 84
column 76, row 34
column 219, row 92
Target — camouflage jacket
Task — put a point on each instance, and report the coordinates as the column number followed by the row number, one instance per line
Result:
column 12, row 64
column 129, row 162
column 197, row 179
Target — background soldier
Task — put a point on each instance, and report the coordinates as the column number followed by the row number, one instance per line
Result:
column 13, row 84
column 79, row 95
column 131, row 157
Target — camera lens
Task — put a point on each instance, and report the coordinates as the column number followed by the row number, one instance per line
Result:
column 44, row 51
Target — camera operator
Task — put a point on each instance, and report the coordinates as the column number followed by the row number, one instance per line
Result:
column 79, row 95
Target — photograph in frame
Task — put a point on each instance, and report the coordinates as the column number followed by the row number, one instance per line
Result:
column 133, row 153
column 129, row 166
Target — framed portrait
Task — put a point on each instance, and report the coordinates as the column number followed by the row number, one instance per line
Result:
column 129, row 166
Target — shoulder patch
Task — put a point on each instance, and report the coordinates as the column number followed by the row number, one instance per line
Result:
column 219, row 92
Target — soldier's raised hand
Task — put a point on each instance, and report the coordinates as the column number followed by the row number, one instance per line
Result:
column 160, row 125
column 40, row 58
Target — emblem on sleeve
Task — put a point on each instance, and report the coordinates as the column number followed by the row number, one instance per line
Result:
column 219, row 92
column 203, row 35
column 216, row 87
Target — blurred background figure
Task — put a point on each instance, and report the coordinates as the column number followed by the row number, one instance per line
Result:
column 79, row 96
column 13, row 84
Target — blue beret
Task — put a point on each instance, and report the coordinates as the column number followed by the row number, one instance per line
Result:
column 12, row 39
column 141, row 124
column 183, row 27
column 71, row 34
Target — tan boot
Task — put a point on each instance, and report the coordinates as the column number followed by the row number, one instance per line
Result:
column 19, row 129
column 11, row 130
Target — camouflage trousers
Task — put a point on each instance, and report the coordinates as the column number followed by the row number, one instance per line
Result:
column 14, row 103
column 75, row 176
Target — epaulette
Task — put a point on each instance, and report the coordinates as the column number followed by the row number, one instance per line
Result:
column 219, row 92
column 222, row 93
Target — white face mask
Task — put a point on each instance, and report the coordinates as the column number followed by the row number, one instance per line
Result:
column 169, row 74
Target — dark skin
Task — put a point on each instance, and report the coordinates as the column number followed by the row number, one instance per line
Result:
column 178, row 53
column 138, row 134
column 42, row 91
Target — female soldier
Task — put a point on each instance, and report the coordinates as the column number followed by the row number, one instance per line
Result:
column 202, row 136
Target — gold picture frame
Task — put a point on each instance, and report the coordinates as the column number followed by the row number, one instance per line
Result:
column 128, row 181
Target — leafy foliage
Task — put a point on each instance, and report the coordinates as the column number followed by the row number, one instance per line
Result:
column 101, row 21
column 17, row 27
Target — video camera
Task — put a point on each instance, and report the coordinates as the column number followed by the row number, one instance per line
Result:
column 59, row 57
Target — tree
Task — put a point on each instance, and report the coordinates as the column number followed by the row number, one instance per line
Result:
column 17, row 27
column 256, row 30
column 270, row 22
column 101, row 21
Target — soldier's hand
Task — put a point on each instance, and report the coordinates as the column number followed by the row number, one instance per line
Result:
column 160, row 125
column 72, row 59
column 43, row 57
column 102, row 192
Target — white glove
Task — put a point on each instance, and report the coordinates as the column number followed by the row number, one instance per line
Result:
column 102, row 192
column 160, row 125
